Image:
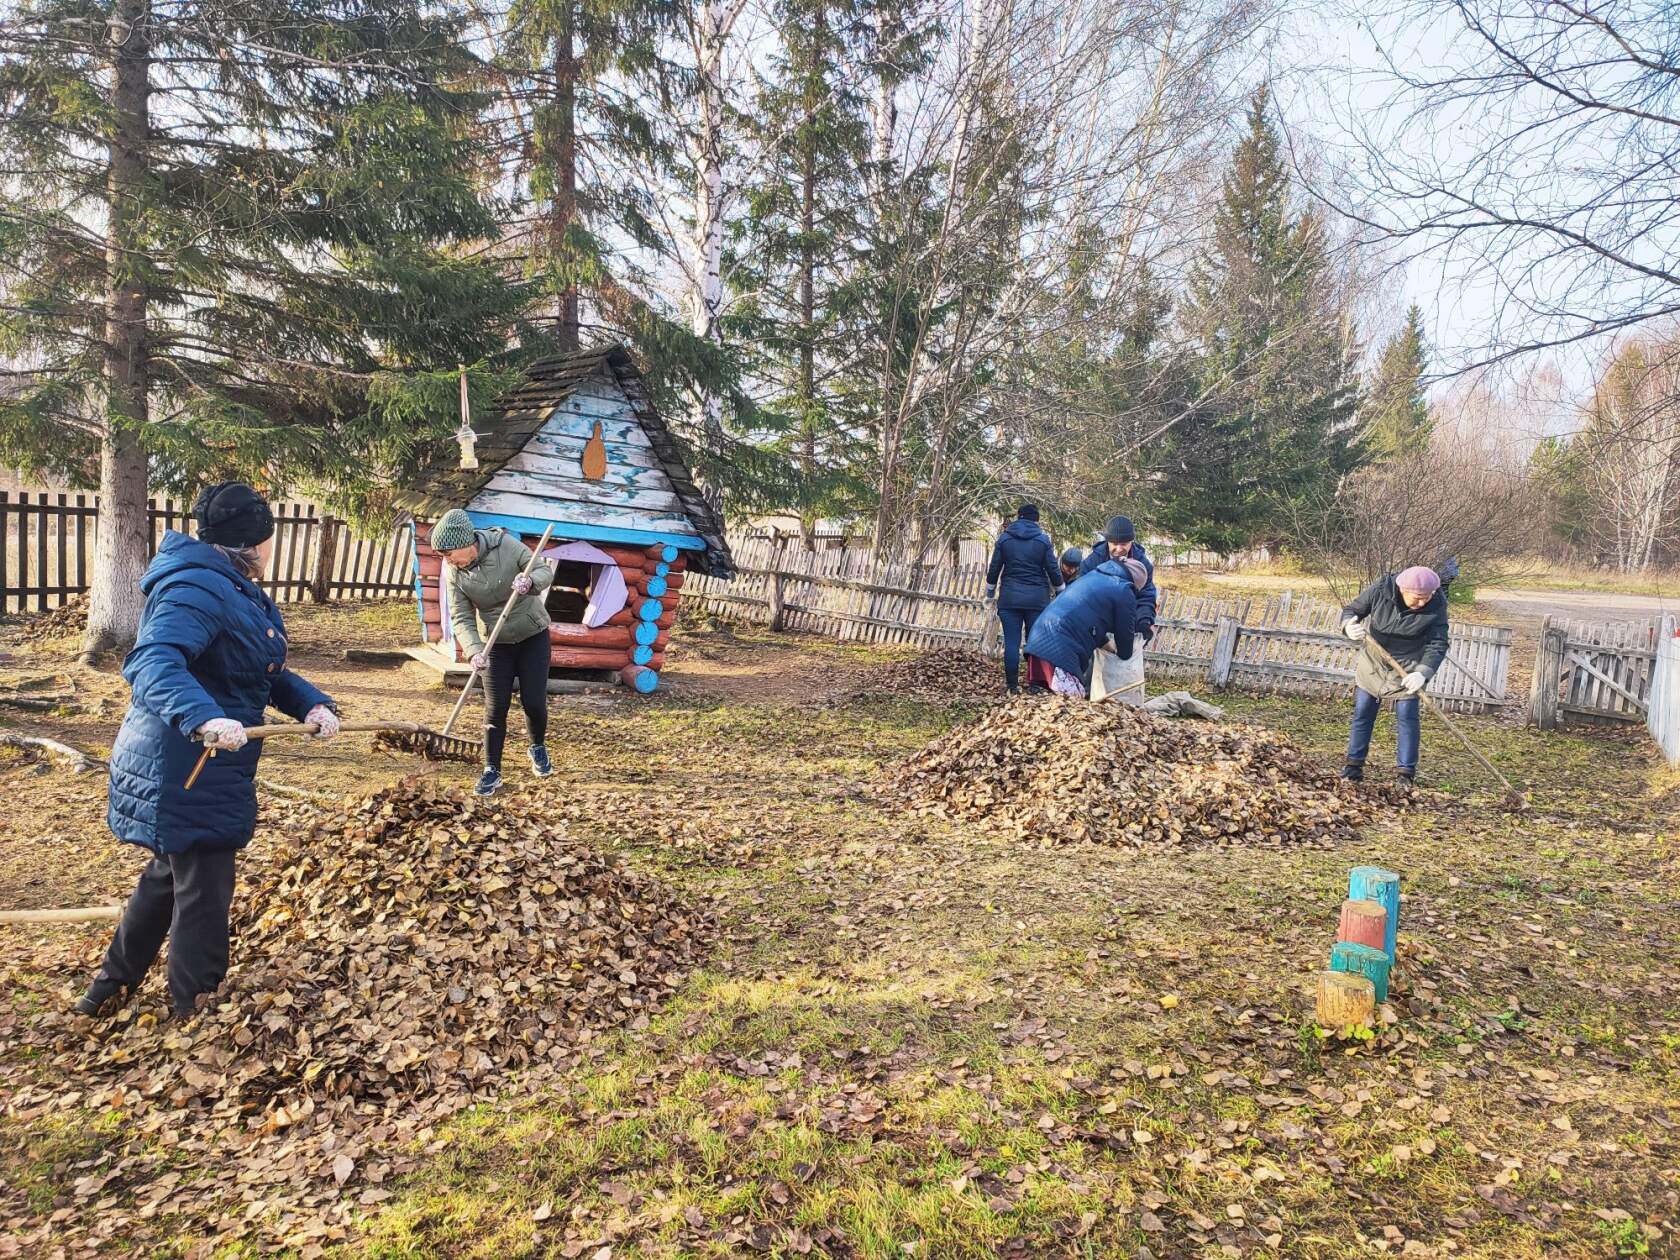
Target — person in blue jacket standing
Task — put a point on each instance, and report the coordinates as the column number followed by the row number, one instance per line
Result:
column 1023, row 577
column 209, row 659
column 1119, row 542
column 1100, row 606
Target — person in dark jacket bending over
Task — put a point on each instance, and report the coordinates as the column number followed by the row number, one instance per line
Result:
column 1025, row 562
column 1407, row 614
column 484, row 567
column 209, row 659
column 1119, row 542
column 1100, row 606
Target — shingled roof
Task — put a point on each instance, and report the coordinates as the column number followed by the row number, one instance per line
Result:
column 515, row 419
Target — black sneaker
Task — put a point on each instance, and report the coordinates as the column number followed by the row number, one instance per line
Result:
column 1407, row 779
column 539, row 762
column 488, row 783
column 100, row 994
column 1354, row 772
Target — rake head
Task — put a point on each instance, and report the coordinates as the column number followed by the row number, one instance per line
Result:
column 430, row 745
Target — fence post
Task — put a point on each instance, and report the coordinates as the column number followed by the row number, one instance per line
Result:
column 778, row 600
column 326, row 555
column 1224, row 651
column 1548, row 677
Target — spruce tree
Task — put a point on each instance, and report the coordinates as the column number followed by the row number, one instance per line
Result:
column 794, row 250
column 221, row 225
column 1395, row 412
column 1273, row 426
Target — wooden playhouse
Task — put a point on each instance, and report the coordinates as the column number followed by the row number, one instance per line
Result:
column 579, row 446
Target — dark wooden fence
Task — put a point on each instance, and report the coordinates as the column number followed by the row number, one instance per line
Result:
column 47, row 542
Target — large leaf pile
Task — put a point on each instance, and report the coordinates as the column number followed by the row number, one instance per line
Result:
column 1055, row 771
column 394, row 960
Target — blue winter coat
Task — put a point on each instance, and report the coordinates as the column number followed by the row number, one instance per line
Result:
column 1082, row 618
column 211, row 645
column 1025, row 560
column 1146, row 597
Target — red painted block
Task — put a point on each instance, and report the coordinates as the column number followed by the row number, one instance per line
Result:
column 1362, row 923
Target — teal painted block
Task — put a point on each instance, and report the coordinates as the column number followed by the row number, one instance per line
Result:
column 641, row 654
column 646, row 633
column 650, row 610
column 646, row 681
column 668, row 553
column 657, row 586
column 1373, row 883
column 1362, row 960
column 661, row 569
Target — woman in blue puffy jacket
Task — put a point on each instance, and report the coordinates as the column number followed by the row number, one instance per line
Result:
column 209, row 659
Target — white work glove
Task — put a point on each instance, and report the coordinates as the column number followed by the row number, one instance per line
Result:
column 1354, row 629
column 325, row 720
column 522, row 585
column 223, row 735
column 1413, row 683
column 991, row 594
column 480, row 660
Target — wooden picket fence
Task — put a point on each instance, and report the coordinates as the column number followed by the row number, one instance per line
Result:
column 1662, row 716
column 47, row 545
column 1594, row 672
column 1283, row 643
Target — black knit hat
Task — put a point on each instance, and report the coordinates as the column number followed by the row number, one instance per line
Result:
column 1073, row 557
column 1119, row 529
column 1027, row 512
column 232, row 514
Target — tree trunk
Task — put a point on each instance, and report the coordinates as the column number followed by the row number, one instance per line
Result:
column 119, row 557
column 564, row 217
column 807, row 278
column 884, row 126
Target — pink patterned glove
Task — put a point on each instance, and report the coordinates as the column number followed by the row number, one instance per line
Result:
column 522, row 585
column 324, row 720
column 223, row 734
column 479, row 660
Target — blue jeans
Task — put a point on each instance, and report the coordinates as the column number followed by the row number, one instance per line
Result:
column 1017, row 625
column 1365, row 710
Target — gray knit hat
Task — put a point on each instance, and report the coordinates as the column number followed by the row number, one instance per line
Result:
column 454, row 529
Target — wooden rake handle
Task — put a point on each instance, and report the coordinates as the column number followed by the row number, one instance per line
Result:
column 295, row 728
column 495, row 631
column 1382, row 654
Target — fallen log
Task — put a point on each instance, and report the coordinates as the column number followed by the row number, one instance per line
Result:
column 77, row 914
column 80, row 760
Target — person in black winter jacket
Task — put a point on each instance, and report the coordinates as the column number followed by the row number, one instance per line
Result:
column 1119, row 542
column 1023, row 577
column 1406, row 613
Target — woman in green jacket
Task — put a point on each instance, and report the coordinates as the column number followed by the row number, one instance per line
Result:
column 482, row 568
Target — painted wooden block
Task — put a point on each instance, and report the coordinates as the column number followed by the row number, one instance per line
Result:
column 1373, row 883
column 641, row 654
column 1362, row 960
column 1363, row 923
column 663, row 551
column 640, row 677
column 646, row 632
column 1345, row 998
column 655, row 586
column 660, row 569
column 649, row 610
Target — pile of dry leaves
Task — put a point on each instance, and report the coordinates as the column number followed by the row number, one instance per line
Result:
column 67, row 619
column 395, row 959
column 946, row 675
column 1058, row 771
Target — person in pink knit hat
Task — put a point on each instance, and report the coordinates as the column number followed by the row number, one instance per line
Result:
column 1406, row 613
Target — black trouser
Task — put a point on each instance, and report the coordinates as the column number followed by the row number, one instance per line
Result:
column 527, row 661
column 184, row 896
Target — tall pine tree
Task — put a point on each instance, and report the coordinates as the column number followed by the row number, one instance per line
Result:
column 220, row 224
column 1394, row 411
column 795, row 248
column 1274, row 424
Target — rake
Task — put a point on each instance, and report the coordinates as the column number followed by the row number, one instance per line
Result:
column 409, row 737
column 1515, row 802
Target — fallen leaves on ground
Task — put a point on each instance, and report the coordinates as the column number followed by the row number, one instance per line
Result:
column 946, row 675
column 394, row 961
column 1054, row 770
column 69, row 618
